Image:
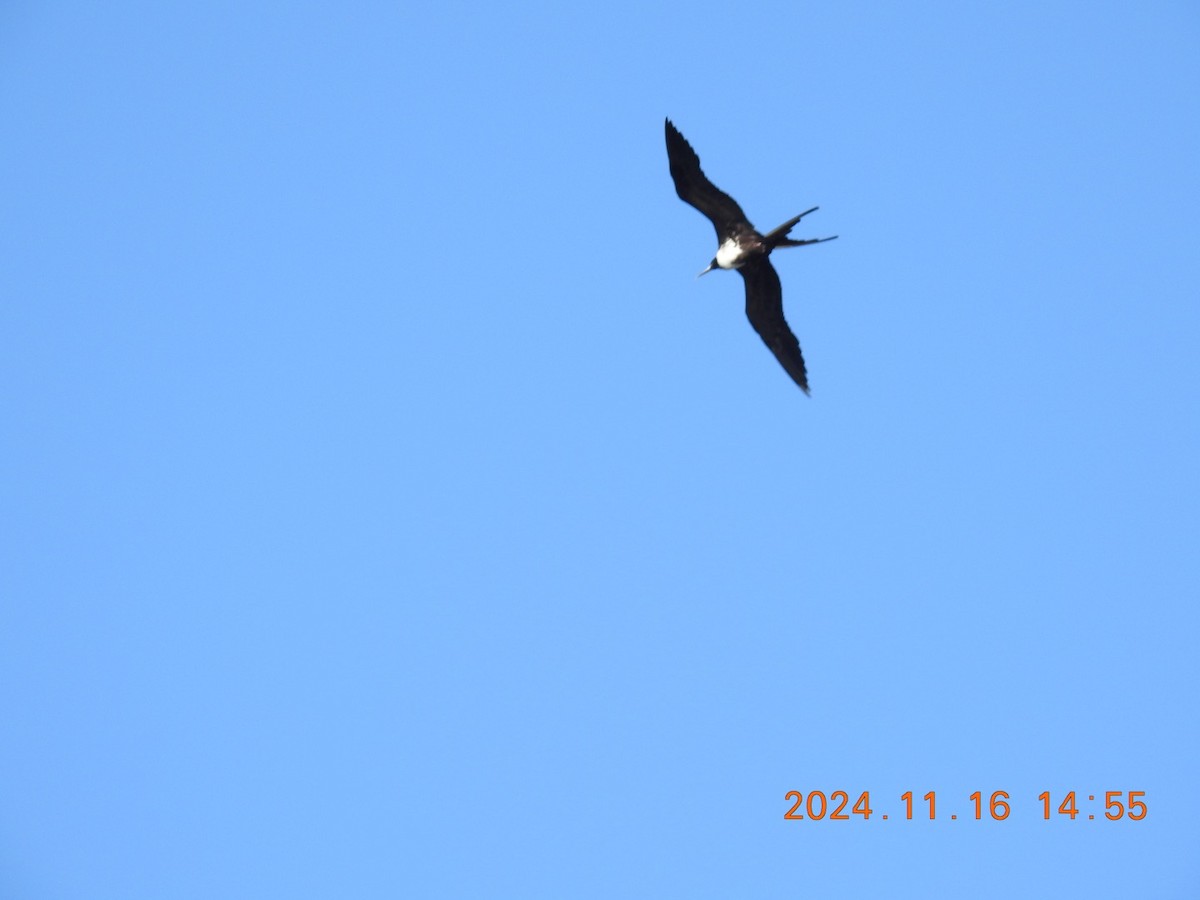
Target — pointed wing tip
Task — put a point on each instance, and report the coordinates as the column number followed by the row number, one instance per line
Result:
column 675, row 136
column 801, row 377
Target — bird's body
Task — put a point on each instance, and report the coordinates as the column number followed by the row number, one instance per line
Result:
column 732, row 254
column 741, row 247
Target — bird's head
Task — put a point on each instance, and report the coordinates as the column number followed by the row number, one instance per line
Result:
column 712, row 265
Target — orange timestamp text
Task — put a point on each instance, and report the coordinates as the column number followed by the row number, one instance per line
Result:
column 816, row 806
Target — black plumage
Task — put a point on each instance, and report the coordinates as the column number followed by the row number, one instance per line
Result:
column 741, row 247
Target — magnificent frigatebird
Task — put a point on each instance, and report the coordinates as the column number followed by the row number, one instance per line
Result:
column 741, row 247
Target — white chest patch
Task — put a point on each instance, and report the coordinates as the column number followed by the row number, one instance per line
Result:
column 729, row 254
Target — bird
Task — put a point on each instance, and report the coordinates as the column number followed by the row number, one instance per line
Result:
column 741, row 247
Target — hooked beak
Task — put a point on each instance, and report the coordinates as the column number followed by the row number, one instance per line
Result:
column 712, row 265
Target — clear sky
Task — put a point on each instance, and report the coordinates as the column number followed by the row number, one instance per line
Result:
column 387, row 510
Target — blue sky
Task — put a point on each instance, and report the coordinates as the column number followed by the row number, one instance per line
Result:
column 388, row 511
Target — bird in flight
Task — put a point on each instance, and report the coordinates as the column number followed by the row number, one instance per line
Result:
column 740, row 247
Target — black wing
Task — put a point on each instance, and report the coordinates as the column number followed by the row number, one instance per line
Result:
column 695, row 189
column 764, row 309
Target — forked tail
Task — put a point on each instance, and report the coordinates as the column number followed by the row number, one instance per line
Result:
column 779, row 237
